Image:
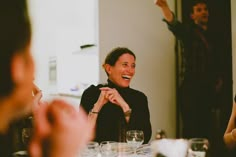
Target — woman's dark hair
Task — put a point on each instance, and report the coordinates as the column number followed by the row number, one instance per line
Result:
column 114, row 55
column 15, row 35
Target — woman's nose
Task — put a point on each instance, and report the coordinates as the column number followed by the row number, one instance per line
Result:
column 131, row 69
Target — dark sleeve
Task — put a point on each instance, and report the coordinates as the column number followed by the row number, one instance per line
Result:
column 6, row 145
column 235, row 98
column 89, row 98
column 146, row 123
column 180, row 30
column 140, row 117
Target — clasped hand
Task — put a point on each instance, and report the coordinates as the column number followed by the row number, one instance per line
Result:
column 60, row 130
column 112, row 95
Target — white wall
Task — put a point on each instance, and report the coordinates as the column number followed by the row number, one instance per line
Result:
column 233, row 17
column 138, row 25
column 59, row 29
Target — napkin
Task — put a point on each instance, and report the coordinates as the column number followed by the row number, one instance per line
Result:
column 170, row 148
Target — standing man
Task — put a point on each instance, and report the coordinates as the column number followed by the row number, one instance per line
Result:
column 202, row 75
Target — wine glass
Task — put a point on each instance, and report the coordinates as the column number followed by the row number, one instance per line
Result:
column 91, row 150
column 198, row 147
column 26, row 135
column 144, row 150
column 125, row 150
column 109, row 148
column 135, row 138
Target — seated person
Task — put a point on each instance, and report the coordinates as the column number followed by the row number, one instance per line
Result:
column 114, row 107
column 230, row 133
column 60, row 131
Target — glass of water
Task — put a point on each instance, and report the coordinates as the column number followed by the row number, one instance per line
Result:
column 198, row 147
column 108, row 148
column 26, row 136
column 125, row 150
column 135, row 138
column 144, row 150
column 91, row 150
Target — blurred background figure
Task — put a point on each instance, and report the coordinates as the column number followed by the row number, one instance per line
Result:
column 202, row 83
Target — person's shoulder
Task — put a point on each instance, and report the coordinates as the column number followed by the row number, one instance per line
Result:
column 90, row 88
column 190, row 26
column 93, row 88
column 235, row 98
column 137, row 92
column 90, row 94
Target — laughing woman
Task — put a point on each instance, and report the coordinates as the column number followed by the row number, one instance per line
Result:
column 114, row 107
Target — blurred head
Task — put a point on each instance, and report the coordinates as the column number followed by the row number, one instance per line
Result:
column 199, row 12
column 16, row 63
column 120, row 66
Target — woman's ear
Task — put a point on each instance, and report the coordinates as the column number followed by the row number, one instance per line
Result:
column 107, row 68
column 18, row 68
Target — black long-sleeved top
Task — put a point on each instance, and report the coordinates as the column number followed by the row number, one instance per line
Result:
column 5, row 146
column 201, row 54
column 111, row 123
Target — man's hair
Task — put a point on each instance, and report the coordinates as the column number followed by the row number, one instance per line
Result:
column 114, row 55
column 195, row 2
column 15, row 35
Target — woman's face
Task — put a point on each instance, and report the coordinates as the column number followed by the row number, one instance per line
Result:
column 123, row 70
column 24, row 86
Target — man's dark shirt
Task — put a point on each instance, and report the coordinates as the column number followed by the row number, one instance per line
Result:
column 201, row 55
column 201, row 71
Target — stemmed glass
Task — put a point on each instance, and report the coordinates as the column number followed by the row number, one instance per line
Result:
column 198, row 147
column 144, row 150
column 26, row 135
column 91, row 150
column 135, row 138
column 108, row 148
column 125, row 150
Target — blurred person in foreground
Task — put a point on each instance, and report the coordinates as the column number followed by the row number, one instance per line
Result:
column 230, row 132
column 60, row 130
column 114, row 107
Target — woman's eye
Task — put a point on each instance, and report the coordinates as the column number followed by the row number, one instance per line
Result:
column 125, row 64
